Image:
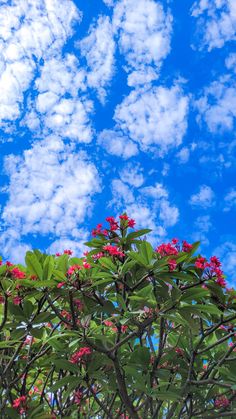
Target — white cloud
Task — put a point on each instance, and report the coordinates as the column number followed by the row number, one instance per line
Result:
column 156, row 192
column 183, row 155
column 217, row 106
column 40, row 31
column 60, row 105
column 230, row 200
column 216, row 20
column 99, row 49
column 204, row 198
column 202, row 225
column 156, row 117
column 144, row 31
column 133, row 175
column 149, row 206
column 117, row 144
column 230, row 62
column 50, row 191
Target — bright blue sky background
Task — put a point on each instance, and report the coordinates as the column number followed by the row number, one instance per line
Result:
column 108, row 106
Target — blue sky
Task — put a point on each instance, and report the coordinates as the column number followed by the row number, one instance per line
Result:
column 120, row 105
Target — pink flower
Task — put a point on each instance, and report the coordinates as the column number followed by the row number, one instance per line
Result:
column 72, row 269
column 124, row 328
column 175, row 241
column 186, row 247
column 79, row 355
column 79, row 304
column 200, row 263
column 166, row 250
column 9, row 263
column 124, row 217
column 86, row 265
column 68, row 252
column 17, row 300
column 60, row 284
column 221, row 281
column 17, row 273
column 98, row 256
column 2, row 299
column 98, row 230
column 221, row 401
column 215, row 261
column 78, row 395
column 113, row 250
column 131, row 223
column 0, row 262
column 19, row 402
column 172, row 264
column 58, row 254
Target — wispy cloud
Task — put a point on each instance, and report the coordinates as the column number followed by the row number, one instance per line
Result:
column 216, row 22
column 204, row 198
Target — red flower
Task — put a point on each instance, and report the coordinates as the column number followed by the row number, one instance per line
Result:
column 58, row 254
column 60, row 284
column 175, row 241
column 215, row 261
column 17, row 273
column 124, row 217
column 186, row 247
column 200, row 263
column 172, row 264
column 113, row 250
column 2, row 299
column 73, row 268
column 86, row 265
column 19, row 402
column 166, row 250
column 68, row 252
column 79, row 355
column 78, row 395
column 17, row 300
column 221, row 401
column 9, row 263
column 131, row 223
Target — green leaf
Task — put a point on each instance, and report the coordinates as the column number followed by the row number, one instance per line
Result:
column 9, row 343
column 140, row 356
column 48, row 267
column 121, row 302
column 65, row 365
column 62, row 263
column 146, row 251
column 28, row 308
column 33, row 264
column 75, row 381
column 136, row 234
column 107, row 263
column 59, row 275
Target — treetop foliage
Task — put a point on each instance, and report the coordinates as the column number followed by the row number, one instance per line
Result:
column 126, row 331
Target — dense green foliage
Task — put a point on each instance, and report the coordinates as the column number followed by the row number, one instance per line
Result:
column 125, row 332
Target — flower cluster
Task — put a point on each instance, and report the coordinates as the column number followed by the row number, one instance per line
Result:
column 213, row 268
column 78, row 395
column 125, row 222
column 173, row 248
column 72, row 269
column 113, row 250
column 79, row 355
column 98, row 230
column 20, row 404
column 221, row 401
column 68, row 252
column 17, row 273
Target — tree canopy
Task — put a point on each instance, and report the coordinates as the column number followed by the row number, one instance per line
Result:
column 126, row 331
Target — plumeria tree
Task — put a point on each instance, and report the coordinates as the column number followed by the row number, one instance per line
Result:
column 126, row 331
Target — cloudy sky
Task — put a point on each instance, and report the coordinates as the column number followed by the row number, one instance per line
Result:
column 113, row 105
